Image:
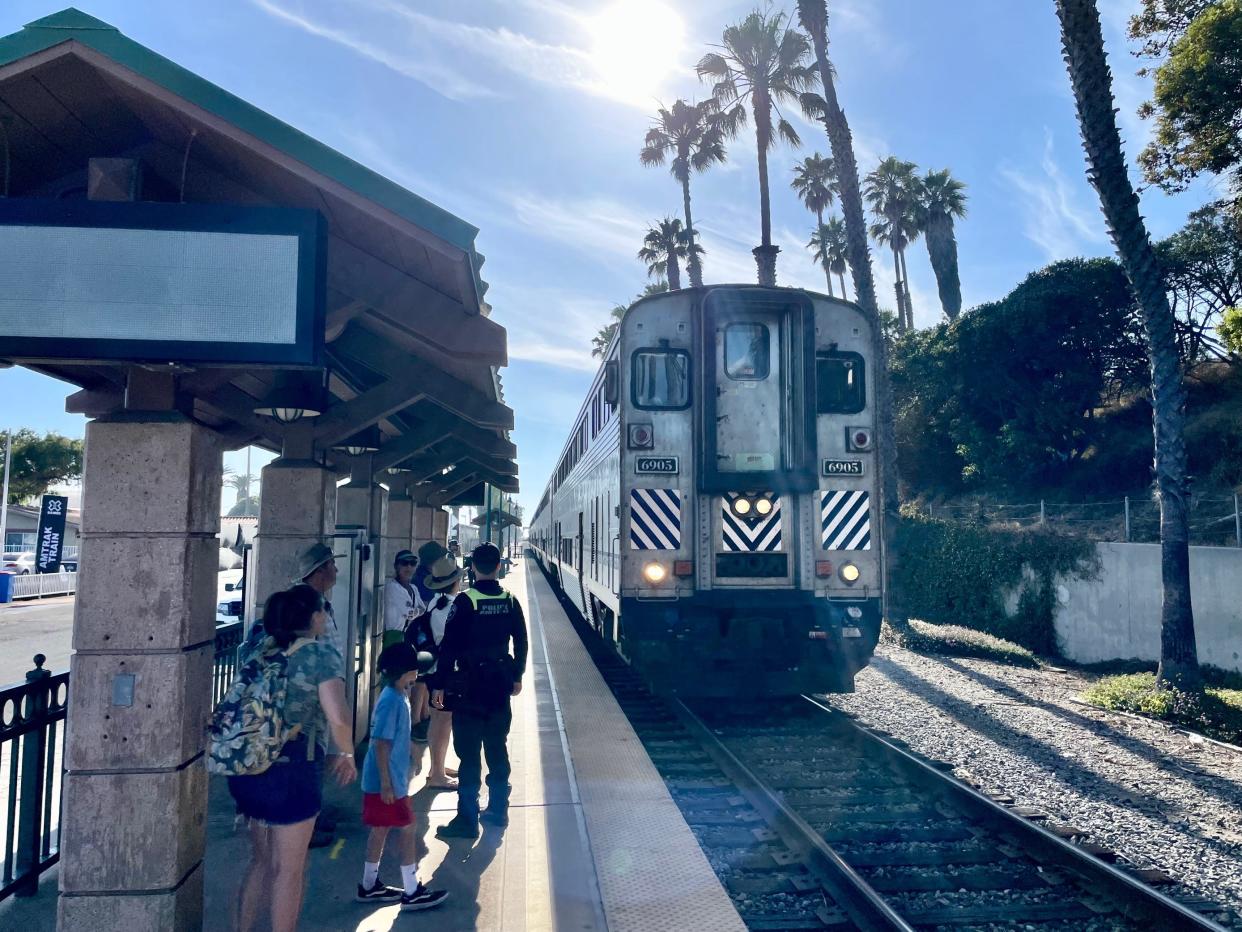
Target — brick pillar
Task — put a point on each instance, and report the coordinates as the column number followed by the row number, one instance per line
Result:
column 135, row 789
column 297, row 508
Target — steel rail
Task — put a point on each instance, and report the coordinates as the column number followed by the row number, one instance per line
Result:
column 1134, row 899
column 866, row 908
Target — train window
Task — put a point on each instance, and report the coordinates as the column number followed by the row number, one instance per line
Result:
column 747, row 352
column 841, row 383
column 661, row 378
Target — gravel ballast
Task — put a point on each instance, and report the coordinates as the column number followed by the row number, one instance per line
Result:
column 1157, row 797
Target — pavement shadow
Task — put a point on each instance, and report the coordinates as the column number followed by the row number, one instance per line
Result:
column 461, row 873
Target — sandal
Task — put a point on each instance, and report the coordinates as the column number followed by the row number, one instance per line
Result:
column 446, row 785
column 449, row 771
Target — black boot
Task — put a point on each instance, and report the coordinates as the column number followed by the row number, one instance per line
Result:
column 462, row 826
column 495, row 815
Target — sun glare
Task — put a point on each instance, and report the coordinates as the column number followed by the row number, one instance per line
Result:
column 635, row 45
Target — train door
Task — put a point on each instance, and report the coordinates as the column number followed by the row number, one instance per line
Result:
column 581, row 563
column 352, row 619
column 757, row 432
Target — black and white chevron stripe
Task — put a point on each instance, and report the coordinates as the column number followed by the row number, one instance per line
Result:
column 760, row 534
column 846, row 520
column 655, row 519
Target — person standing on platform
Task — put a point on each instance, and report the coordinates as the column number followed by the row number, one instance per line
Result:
column 402, row 602
column 428, row 553
column 386, row 801
column 445, row 581
column 480, row 677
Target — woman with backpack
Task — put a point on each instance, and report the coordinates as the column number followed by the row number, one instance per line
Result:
column 281, row 802
column 444, row 580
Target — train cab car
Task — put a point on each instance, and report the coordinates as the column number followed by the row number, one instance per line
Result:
column 724, row 533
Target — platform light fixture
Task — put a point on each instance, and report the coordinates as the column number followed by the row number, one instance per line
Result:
column 364, row 441
column 293, row 396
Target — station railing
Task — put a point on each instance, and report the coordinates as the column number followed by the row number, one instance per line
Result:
column 32, row 748
column 34, row 585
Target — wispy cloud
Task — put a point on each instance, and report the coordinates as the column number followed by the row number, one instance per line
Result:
column 552, row 325
column 1058, row 217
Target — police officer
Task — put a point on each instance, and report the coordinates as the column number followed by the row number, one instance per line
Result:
column 481, row 676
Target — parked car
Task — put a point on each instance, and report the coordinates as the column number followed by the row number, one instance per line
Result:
column 230, row 597
column 19, row 564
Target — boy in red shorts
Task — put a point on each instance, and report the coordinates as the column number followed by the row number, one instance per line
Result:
column 386, row 802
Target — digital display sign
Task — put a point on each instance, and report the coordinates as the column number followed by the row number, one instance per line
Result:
column 153, row 282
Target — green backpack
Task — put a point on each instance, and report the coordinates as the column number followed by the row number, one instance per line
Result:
column 247, row 729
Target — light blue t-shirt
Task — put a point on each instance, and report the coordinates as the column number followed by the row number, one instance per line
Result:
column 390, row 722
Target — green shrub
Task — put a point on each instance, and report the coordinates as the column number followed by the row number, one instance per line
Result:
column 1216, row 712
column 956, row 641
column 956, row 574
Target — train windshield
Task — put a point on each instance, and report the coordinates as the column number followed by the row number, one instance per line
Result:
column 747, row 352
column 841, row 388
column 661, row 378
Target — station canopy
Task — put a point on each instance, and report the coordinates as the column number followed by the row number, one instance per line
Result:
column 410, row 347
column 497, row 518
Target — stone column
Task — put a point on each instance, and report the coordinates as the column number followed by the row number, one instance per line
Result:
column 297, row 508
column 439, row 527
column 424, row 525
column 397, row 534
column 135, row 788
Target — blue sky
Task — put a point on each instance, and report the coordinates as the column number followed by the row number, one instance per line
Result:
column 525, row 118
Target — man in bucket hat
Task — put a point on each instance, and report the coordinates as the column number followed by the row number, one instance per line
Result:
column 428, row 553
column 317, row 569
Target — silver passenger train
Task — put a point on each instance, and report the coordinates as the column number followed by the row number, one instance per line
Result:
column 714, row 513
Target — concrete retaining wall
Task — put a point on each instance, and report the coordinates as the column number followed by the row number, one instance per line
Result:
column 1117, row 616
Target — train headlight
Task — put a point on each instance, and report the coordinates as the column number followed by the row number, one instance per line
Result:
column 741, row 506
column 655, row 573
column 764, row 506
column 850, row 573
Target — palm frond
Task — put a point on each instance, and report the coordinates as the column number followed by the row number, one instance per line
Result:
column 785, row 130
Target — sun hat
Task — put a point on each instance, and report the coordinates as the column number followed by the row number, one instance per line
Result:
column 429, row 552
column 313, row 557
column 444, row 572
column 404, row 555
column 398, row 659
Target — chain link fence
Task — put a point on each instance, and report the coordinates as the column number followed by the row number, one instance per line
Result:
column 1214, row 521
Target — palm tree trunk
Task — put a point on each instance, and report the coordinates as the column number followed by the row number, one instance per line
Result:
column 844, row 293
column 842, row 144
column 819, row 228
column 1083, row 44
column 905, row 290
column 693, row 264
column 765, row 253
column 673, row 270
column 901, row 300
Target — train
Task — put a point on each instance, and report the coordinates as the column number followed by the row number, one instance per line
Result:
column 714, row 513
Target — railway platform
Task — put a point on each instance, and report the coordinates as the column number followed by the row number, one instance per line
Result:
column 594, row 842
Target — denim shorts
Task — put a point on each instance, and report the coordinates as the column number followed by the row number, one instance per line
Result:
column 289, row 791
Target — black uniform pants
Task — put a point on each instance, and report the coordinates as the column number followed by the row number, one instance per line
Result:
column 476, row 733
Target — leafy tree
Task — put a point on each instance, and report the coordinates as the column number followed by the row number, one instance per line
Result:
column 892, row 191
column 692, row 134
column 763, row 60
column 1230, row 330
column 1203, row 271
column 813, row 16
column 941, row 200
column 1160, row 23
column 663, row 246
column 1083, row 44
column 1197, row 97
column 40, row 462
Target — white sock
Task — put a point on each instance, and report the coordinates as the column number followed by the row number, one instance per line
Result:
column 370, row 874
column 409, row 877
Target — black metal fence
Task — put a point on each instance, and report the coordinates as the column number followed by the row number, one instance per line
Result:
column 32, row 747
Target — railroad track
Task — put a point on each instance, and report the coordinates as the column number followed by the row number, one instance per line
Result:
column 898, row 844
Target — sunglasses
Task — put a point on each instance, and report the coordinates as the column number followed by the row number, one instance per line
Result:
column 407, row 563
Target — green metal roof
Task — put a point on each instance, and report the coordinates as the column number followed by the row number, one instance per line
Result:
column 104, row 38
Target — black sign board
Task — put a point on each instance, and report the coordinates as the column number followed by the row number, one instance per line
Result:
column 50, row 543
column 654, row 465
column 843, row 467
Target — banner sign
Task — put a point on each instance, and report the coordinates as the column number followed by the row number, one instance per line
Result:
column 50, row 542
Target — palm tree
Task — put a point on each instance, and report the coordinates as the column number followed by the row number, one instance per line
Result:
column 692, row 135
column 602, row 340
column 761, row 59
column 833, row 232
column 892, row 192
column 818, row 244
column 813, row 15
column 1091, row 79
column 814, row 178
column 663, row 246
column 240, row 483
column 942, row 199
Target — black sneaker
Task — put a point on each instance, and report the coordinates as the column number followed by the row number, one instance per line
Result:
column 379, row 893
column 459, row 828
column 422, row 898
